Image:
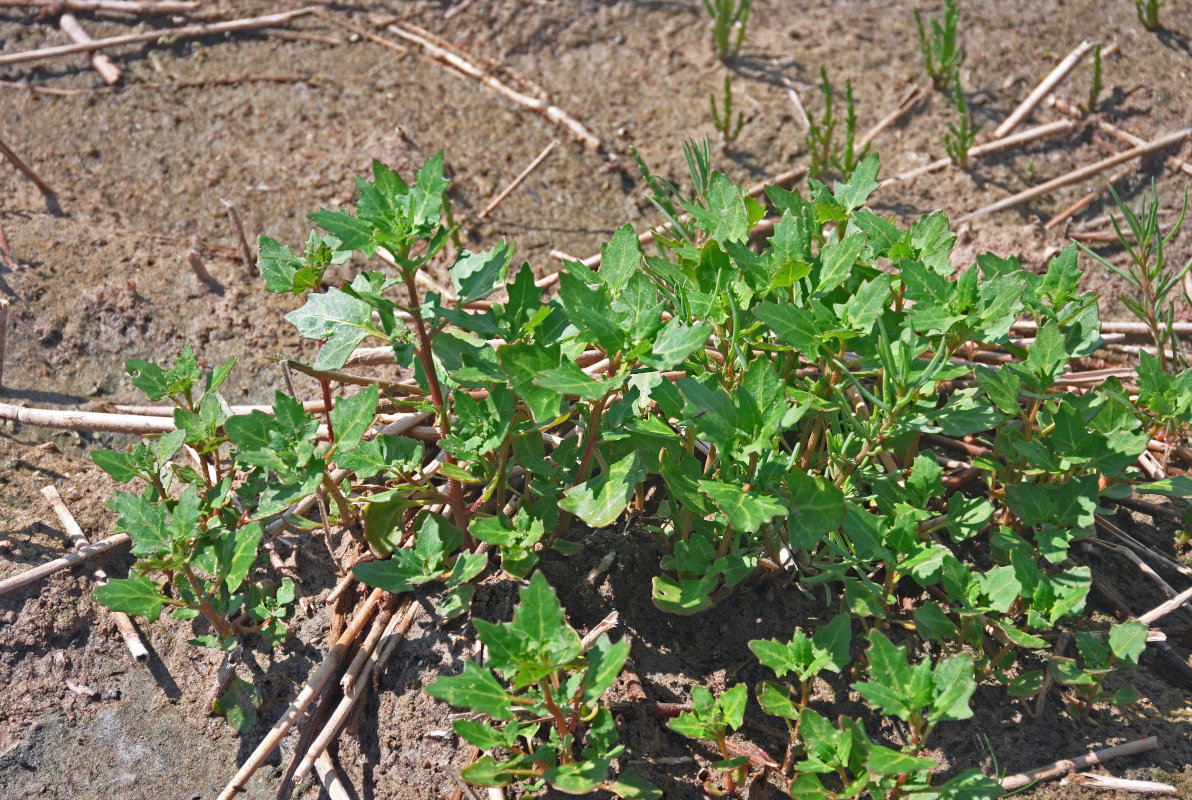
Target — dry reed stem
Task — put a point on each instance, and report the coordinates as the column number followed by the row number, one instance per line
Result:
column 332, row 784
column 1046, row 85
column 250, row 263
column 513, row 184
column 553, row 113
column 1084, row 202
column 356, row 678
column 1089, row 780
column 106, row 6
column 1079, row 174
column 166, row 35
column 3, row 337
column 86, row 420
column 1163, row 609
column 102, row 64
column 65, row 562
column 1059, row 769
column 132, row 639
column 1110, row 129
column 995, row 146
column 24, row 168
column 303, row 700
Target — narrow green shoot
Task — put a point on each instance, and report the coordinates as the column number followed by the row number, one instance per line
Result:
column 942, row 57
column 825, row 154
column 729, row 19
column 1148, row 12
column 959, row 138
column 724, row 120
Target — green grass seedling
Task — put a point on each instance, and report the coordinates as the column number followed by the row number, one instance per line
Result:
column 1148, row 12
column 724, row 120
column 960, row 136
column 729, row 20
column 942, row 54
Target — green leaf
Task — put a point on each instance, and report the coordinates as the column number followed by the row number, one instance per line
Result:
column 1127, row 640
column 682, row 596
column 337, row 319
column 791, row 325
column 953, row 684
column 483, row 735
column 477, row 275
column 1028, row 684
column 776, row 700
column 238, row 552
column 352, row 416
column 476, row 690
column 138, row 596
column 724, row 218
column 580, row 777
column 676, row 342
column 732, row 705
column 1125, row 695
column 599, row 501
column 620, row 258
column 604, row 665
column 838, row 261
column 746, row 511
column 569, row 379
column 970, row 785
column 144, row 520
column 631, row 786
column 239, row 705
column 116, row 464
column 538, row 617
column 523, row 363
column 487, row 771
column 884, row 761
column 1175, row 486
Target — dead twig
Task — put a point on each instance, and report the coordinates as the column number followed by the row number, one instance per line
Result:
column 85, row 420
column 1046, row 85
column 995, row 146
column 1089, row 780
column 1059, row 769
column 16, row 161
column 332, row 784
column 145, row 7
column 558, row 116
column 800, row 112
column 65, row 562
column 1084, row 202
column 496, row 201
column 1110, row 129
column 367, row 662
column 102, row 64
column 250, row 263
column 1163, row 609
column 3, row 337
column 164, row 36
column 78, row 539
column 303, row 700
column 1079, row 174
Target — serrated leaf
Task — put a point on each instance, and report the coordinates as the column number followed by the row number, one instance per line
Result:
column 352, row 416
column 676, row 342
column 884, row 761
column 620, row 258
column 682, row 596
column 838, row 259
column 337, row 319
column 477, row 275
column 604, row 665
column 599, row 501
column 579, row 777
column 238, row 552
column 1127, row 640
column 746, row 511
column 476, row 690
column 137, row 596
column 569, row 379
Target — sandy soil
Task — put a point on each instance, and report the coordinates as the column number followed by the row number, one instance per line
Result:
column 141, row 170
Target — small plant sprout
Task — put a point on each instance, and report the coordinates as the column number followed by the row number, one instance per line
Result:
column 824, row 153
column 1148, row 12
column 959, row 138
column 549, row 720
column 1149, row 272
column 942, row 57
column 1097, row 84
column 710, row 719
column 729, row 19
column 724, row 121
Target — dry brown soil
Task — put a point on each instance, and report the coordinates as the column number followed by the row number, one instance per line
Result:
column 140, row 171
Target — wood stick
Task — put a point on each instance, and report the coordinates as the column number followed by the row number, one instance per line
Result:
column 556, row 115
column 330, row 779
column 1059, row 769
column 1089, row 780
column 496, row 201
column 1079, row 174
column 250, row 263
column 1129, row 328
column 16, row 161
column 65, row 562
column 102, row 64
column 1161, row 610
column 1046, row 85
column 166, row 35
column 364, row 665
column 132, row 639
column 3, row 337
column 800, row 112
column 1130, row 541
column 310, row 407
column 109, row 6
column 305, row 697
column 1110, row 129
column 86, row 420
column 1084, row 202
column 995, row 146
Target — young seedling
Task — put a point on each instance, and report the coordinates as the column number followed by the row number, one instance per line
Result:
column 724, row 121
column 1148, row 271
column 548, row 718
column 824, row 153
column 729, row 17
column 1148, row 12
column 960, row 136
column 1097, row 83
column 942, row 55
column 1123, row 645
column 711, row 718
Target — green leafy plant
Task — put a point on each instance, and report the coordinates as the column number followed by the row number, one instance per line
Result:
column 724, row 121
column 729, row 19
column 1097, row 82
column 712, row 718
column 1149, row 272
column 960, row 136
column 824, row 153
column 942, row 54
column 1122, row 645
column 548, row 717
column 1148, row 12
